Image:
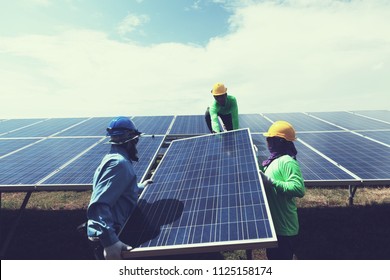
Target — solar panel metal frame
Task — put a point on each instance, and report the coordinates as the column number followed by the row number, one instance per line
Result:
column 210, row 246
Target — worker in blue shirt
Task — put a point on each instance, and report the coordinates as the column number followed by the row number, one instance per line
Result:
column 115, row 189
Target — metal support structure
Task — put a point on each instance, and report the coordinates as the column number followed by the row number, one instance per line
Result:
column 14, row 225
column 352, row 191
column 249, row 254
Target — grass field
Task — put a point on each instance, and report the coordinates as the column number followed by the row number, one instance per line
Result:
column 330, row 229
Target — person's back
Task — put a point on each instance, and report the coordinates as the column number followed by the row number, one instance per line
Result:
column 114, row 186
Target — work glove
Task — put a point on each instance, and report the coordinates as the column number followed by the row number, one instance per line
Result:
column 114, row 251
column 267, row 181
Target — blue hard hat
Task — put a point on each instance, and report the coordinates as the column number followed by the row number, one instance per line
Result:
column 119, row 126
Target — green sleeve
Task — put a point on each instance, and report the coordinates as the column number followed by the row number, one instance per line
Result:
column 287, row 177
column 289, row 180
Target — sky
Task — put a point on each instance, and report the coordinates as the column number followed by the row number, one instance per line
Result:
column 85, row 58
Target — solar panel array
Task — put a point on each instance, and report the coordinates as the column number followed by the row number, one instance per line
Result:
column 61, row 154
column 206, row 196
column 333, row 147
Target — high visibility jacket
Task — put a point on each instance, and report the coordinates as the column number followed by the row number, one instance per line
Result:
column 114, row 196
column 229, row 108
column 288, row 184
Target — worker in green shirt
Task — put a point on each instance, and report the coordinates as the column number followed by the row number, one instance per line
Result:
column 283, row 182
column 225, row 107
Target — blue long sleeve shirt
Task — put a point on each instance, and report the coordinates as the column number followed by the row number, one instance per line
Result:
column 114, row 196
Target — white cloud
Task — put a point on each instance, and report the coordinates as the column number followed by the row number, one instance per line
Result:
column 281, row 58
column 131, row 22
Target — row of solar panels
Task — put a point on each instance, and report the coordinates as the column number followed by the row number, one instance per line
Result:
column 63, row 153
column 195, row 124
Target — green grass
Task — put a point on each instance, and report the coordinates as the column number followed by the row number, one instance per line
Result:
column 330, row 229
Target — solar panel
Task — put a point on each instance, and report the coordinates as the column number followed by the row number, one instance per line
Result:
column 206, row 196
column 8, row 145
column 153, row 124
column 89, row 127
column 30, row 165
column 45, row 128
column 383, row 115
column 189, row 125
column 351, row 121
column 255, row 122
column 303, row 122
column 381, row 136
column 81, row 171
column 367, row 159
column 148, row 148
column 10, row 125
column 315, row 168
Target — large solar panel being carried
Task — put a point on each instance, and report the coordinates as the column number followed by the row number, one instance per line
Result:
column 207, row 196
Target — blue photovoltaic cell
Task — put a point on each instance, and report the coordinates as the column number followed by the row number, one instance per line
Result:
column 189, row 125
column 365, row 158
column 303, row 122
column 45, row 128
column 383, row 115
column 14, row 124
column 382, row 136
column 90, row 127
column 30, row 165
column 314, row 167
column 153, row 124
column 10, row 145
column 255, row 122
column 351, row 121
column 206, row 195
column 81, row 171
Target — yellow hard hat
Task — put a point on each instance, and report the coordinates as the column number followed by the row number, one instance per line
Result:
column 281, row 129
column 219, row 89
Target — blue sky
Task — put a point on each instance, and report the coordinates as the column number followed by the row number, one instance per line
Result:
column 69, row 58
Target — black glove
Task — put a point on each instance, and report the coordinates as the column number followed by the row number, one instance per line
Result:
column 113, row 252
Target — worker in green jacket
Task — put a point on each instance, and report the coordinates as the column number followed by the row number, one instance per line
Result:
column 283, row 182
column 225, row 107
